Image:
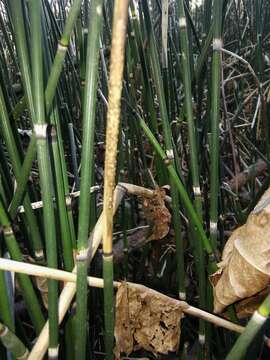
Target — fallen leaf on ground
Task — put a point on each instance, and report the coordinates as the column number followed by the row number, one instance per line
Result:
column 146, row 319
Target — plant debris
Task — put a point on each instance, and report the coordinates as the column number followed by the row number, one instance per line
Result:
column 157, row 214
column 245, row 308
column 245, row 266
column 146, row 319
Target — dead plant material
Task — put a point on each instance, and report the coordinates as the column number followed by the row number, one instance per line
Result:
column 238, row 181
column 245, row 267
column 146, row 319
column 245, row 308
column 157, row 214
column 40, row 282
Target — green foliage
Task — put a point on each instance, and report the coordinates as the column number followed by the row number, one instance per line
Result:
column 195, row 115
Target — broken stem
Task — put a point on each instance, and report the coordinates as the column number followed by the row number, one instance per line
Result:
column 50, row 273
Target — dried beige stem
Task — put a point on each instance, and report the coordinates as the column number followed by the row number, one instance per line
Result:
column 113, row 116
column 238, row 181
column 141, row 191
column 137, row 190
column 70, row 278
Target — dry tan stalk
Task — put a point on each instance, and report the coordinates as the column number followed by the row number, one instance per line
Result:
column 257, row 81
column 70, row 279
column 238, row 181
column 113, row 116
column 141, row 191
column 45, row 272
column 39, row 204
column 117, row 59
column 137, row 190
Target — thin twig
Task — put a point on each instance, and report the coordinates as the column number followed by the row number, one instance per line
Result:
column 49, row 273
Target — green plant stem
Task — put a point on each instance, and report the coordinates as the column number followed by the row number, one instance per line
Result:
column 194, row 158
column 108, row 305
column 198, row 228
column 89, row 107
column 40, row 128
column 28, row 292
column 145, row 77
column 12, row 343
column 22, row 51
column 169, row 149
column 5, row 310
column 203, row 55
column 256, row 322
column 10, row 142
column 62, row 201
column 49, row 92
column 60, row 54
column 215, row 120
column 22, row 180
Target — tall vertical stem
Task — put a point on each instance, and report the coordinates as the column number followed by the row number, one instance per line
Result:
column 171, row 155
column 89, row 113
column 194, row 159
column 258, row 319
column 215, row 120
column 40, row 129
column 28, row 292
column 113, row 120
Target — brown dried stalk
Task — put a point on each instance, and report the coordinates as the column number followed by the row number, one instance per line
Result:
column 113, row 115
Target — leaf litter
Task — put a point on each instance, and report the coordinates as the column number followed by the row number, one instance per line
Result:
column 146, row 319
column 245, row 267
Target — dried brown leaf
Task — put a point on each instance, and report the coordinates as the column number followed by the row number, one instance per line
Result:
column 245, row 266
column 156, row 213
column 246, row 307
column 146, row 319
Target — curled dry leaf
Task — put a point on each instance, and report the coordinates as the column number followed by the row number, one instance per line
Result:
column 245, row 266
column 245, row 308
column 157, row 214
column 146, row 319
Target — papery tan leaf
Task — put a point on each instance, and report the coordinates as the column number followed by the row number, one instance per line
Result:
column 245, row 266
column 157, row 214
column 245, row 308
column 123, row 331
column 146, row 319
